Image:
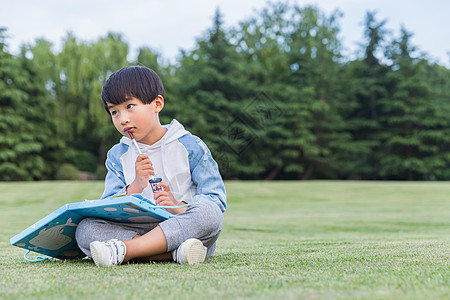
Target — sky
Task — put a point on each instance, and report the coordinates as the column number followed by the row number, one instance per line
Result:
column 167, row 26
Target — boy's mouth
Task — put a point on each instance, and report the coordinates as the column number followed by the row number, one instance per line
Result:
column 129, row 129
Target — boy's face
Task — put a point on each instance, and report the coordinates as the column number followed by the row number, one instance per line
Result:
column 136, row 117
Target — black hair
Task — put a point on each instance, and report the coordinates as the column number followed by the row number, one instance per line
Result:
column 134, row 81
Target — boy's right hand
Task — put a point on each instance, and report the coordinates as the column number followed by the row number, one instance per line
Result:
column 144, row 169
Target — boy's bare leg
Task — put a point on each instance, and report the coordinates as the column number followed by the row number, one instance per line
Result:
column 148, row 247
column 160, row 257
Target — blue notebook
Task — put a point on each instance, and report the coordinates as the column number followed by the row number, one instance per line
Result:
column 54, row 235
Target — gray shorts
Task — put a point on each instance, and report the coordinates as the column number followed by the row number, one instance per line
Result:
column 202, row 221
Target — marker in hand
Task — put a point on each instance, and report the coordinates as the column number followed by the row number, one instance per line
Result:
column 153, row 181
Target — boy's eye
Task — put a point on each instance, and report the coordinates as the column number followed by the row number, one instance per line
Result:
column 113, row 113
column 130, row 106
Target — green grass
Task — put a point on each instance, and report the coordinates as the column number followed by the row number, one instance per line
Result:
column 281, row 240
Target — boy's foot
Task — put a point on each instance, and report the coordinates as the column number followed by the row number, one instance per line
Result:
column 108, row 253
column 190, row 252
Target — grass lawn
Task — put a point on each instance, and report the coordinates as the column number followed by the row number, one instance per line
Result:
column 281, row 240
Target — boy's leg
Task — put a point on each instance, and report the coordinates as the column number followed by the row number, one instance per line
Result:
column 150, row 246
column 93, row 229
column 201, row 221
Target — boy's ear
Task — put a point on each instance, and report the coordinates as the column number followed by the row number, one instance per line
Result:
column 159, row 103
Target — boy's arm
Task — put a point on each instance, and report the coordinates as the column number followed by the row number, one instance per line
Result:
column 115, row 180
column 206, row 176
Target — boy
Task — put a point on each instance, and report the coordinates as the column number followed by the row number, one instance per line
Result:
column 134, row 96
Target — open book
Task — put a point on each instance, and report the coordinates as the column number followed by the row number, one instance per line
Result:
column 54, row 235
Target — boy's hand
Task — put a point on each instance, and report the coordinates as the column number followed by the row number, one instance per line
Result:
column 165, row 198
column 144, row 169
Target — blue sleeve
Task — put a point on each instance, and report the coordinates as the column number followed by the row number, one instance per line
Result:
column 204, row 172
column 115, row 180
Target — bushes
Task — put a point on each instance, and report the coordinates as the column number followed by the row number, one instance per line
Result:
column 67, row 172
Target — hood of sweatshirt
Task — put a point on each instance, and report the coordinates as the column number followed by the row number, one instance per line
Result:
column 168, row 162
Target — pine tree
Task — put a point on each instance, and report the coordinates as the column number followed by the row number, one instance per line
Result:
column 414, row 139
column 315, row 53
column 367, row 84
column 152, row 60
column 293, row 54
column 211, row 94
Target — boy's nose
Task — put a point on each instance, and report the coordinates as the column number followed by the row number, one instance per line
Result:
column 124, row 119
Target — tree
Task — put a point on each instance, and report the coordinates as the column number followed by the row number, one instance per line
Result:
column 314, row 58
column 81, row 71
column 415, row 135
column 294, row 53
column 367, row 83
column 27, row 140
column 212, row 91
column 152, row 60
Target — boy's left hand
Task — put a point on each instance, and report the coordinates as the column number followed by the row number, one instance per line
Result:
column 165, row 198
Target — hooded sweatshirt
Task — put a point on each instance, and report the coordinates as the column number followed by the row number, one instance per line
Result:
column 179, row 158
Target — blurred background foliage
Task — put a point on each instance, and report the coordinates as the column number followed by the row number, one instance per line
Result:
column 274, row 98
